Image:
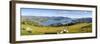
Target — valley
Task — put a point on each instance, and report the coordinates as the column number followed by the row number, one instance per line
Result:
column 33, row 25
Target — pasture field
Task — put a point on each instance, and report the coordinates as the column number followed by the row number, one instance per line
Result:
column 27, row 29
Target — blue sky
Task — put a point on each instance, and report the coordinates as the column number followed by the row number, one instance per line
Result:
column 55, row 13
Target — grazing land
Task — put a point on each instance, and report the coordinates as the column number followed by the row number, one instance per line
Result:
column 27, row 29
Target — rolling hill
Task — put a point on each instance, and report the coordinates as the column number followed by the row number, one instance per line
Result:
column 54, row 21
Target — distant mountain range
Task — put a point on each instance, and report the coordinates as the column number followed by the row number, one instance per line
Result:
column 54, row 21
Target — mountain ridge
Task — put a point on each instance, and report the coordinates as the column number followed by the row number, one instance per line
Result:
column 54, row 21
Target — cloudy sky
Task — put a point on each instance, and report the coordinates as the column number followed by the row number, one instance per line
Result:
column 55, row 13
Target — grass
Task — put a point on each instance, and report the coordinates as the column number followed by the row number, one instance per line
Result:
column 38, row 30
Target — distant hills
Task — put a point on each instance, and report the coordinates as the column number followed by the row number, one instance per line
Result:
column 54, row 21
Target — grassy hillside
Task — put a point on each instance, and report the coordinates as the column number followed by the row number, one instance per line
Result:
column 28, row 29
